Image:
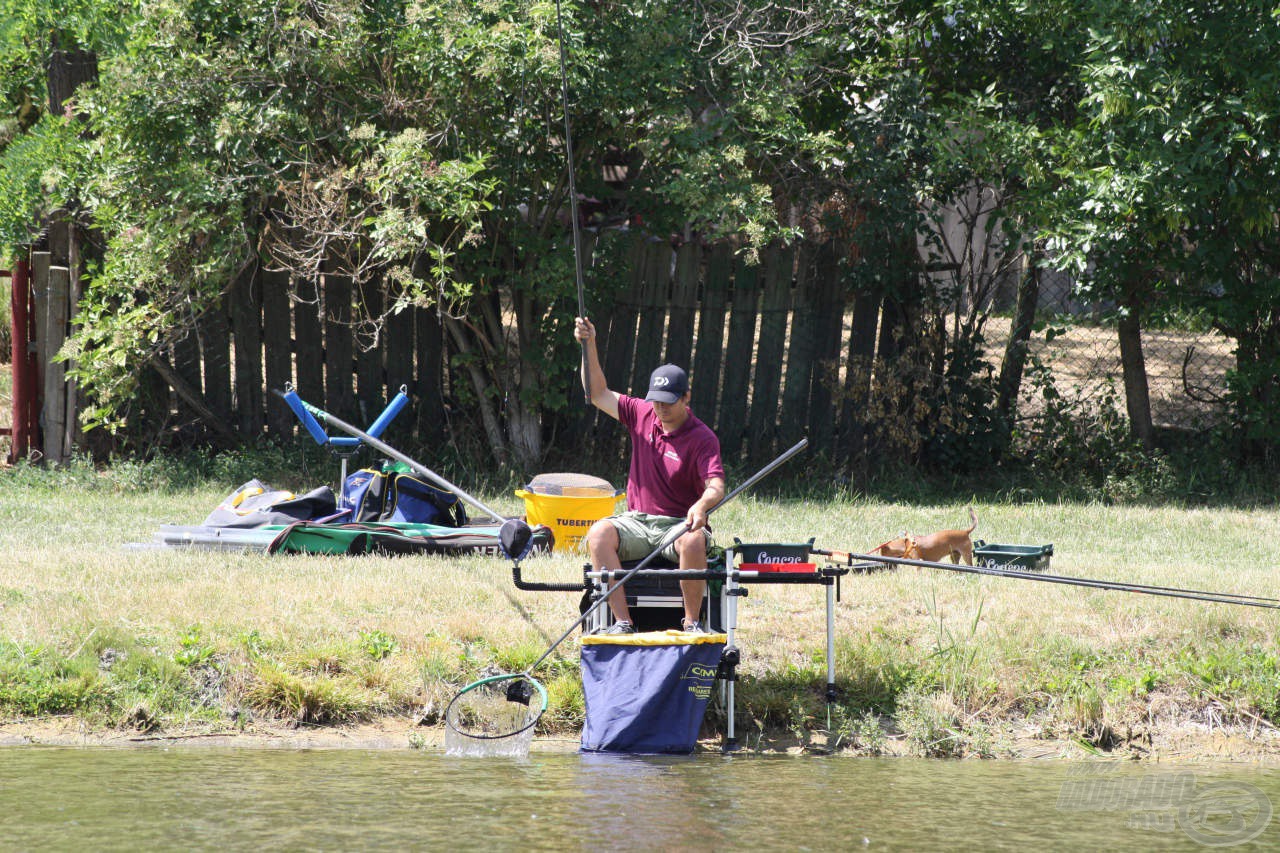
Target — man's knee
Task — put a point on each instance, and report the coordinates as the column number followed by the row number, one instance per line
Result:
column 692, row 544
column 602, row 536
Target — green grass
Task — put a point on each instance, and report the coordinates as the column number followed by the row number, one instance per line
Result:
column 142, row 638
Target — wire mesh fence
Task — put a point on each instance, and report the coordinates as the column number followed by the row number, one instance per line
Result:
column 1186, row 369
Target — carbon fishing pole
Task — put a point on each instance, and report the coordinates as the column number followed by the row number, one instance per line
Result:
column 573, row 189
column 1091, row 583
column 568, row 149
column 521, row 686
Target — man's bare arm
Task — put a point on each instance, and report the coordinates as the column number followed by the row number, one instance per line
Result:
column 594, row 382
column 712, row 494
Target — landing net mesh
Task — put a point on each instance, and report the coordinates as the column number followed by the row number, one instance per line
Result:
column 494, row 717
column 516, row 746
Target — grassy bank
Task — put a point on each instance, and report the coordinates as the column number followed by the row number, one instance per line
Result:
column 943, row 664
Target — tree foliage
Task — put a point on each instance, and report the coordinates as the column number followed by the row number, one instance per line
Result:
column 420, row 143
column 1170, row 176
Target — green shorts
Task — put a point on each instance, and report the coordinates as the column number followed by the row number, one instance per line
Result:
column 639, row 533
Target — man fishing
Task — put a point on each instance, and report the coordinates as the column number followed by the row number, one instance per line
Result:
column 676, row 477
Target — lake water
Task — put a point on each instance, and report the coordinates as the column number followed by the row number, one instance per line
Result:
column 227, row 799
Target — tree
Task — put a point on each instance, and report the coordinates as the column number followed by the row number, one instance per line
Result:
column 41, row 154
column 420, row 145
column 945, row 115
column 1171, row 187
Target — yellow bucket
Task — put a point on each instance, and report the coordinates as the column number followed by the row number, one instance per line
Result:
column 570, row 515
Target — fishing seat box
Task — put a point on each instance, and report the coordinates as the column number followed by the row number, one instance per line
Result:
column 647, row 693
column 656, row 603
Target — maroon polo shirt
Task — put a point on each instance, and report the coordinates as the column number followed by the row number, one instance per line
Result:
column 669, row 471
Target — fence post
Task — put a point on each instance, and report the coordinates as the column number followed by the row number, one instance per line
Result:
column 854, row 424
column 732, row 426
column 428, row 353
column 55, row 333
column 654, row 281
column 709, row 352
column 277, row 345
column 23, row 362
column 246, row 332
column 829, row 331
column 684, row 306
column 369, row 334
column 801, row 351
column 778, row 263
column 339, row 355
column 620, row 337
column 215, row 355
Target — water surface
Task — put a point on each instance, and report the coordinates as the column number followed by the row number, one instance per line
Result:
column 206, row 799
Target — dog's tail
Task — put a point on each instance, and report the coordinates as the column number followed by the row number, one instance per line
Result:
column 972, row 518
column 880, row 549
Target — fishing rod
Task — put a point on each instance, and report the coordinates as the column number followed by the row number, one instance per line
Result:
column 480, row 723
column 305, row 411
column 568, row 149
column 573, row 188
column 1091, row 583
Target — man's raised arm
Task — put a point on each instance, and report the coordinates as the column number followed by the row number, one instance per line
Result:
column 593, row 382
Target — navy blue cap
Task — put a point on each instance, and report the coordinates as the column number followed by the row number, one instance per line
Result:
column 667, row 384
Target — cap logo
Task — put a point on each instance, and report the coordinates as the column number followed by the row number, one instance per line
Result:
column 661, row 382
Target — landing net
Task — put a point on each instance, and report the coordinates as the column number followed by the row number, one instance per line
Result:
column 495, row 716
column 516, row 746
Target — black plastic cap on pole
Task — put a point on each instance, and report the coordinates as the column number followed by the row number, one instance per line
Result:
column 515, row 538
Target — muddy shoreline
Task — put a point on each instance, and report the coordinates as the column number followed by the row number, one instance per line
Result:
column 1190, row 743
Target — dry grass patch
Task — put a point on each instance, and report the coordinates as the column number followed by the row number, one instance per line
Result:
column 332, row 639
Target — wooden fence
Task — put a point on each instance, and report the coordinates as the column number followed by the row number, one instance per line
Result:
column 767, row 345
column 761, row 340
column 270, row 332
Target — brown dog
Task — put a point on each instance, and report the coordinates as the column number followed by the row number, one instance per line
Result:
column 955, row 544
column 894, row 547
